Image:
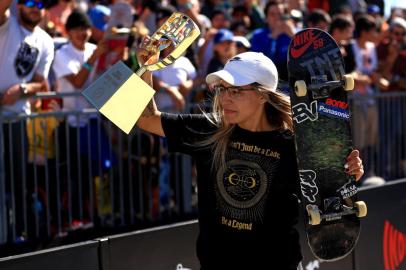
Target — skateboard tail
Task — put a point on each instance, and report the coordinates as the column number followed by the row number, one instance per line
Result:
column 334, row 241
column 326, row 257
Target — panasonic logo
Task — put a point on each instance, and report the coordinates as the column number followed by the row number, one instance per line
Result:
column 333, row 111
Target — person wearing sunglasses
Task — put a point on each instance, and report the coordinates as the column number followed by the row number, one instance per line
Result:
column 246, row 166
column 26, row 55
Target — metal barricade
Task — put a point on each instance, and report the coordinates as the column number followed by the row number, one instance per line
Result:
column 63, row 170
column 68, row 170
column 379, row 132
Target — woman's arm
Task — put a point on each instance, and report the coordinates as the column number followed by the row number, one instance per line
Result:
column 150, row 119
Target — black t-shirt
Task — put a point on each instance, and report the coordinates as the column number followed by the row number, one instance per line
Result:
column 247, row 211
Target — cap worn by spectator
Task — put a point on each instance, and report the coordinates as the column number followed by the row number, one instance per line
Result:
column 223, row 35
column 242, row 42
column 296, row 15
column 373, row 9
column 247, row 68
column 78, row 19
column 98, row 14
column 398, row 21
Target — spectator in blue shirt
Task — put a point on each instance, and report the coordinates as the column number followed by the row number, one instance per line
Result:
column 273, row 40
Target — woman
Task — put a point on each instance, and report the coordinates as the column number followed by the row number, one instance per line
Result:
column 246, row 166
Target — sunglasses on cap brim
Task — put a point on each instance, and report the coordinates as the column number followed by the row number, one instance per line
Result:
column 32, row 3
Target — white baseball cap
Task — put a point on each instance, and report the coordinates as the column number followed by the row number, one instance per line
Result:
column 398, row 21
column 246, row 68
column 243, row 41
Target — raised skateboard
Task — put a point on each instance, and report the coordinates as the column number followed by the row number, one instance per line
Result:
column 322, row 126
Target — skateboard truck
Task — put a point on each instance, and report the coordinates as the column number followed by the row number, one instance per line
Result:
column 321, row 87
column 334, row 210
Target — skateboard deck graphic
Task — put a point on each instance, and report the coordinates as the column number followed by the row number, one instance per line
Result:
column 321, row 117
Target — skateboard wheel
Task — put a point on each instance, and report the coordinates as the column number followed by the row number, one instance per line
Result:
column 361, row 209
column 348, row 82
column 314, row 215
column 300, row 88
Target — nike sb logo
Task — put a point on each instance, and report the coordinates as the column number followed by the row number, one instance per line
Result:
column 303, row 41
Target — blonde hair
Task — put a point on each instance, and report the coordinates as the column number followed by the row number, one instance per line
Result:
column 278, row 114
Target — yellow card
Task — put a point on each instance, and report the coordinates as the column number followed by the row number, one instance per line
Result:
column 127, row 104
column 120, row 95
